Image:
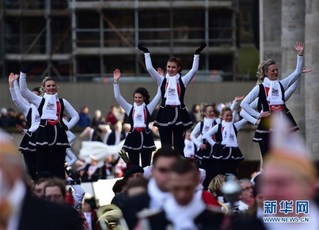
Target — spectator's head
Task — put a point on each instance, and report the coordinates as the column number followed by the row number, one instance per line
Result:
column 195, row 108
column 132, row 172
column 246, row 194
column 4, row 111
column 162, row 160
column 98, row 113
column 11, row 112
column 188, row 134
column 36, row 91
column 216, row 185
column 55, row 190
column 288, row 176
column 183, row 180
column 136, row 186
column 93, row 160
column 258, row 195
column 118, row 186
column 12, row 169
column 89, row 205
column 85, row 110
column 39, row 185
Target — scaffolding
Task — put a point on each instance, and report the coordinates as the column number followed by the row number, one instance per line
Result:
column 79, row 40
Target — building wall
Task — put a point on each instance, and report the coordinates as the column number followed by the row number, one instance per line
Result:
column 100, row 95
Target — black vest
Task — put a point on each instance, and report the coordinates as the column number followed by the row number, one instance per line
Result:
column 29, row 118
column 219, row 136
column 61, row 111
column 262, row 98
column 202, row 125
column 181, row 96
column 131, row 121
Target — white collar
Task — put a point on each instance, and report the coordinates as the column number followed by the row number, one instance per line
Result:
column 183, row 217
column 177, row 76
column 157, row 196
column 267, row 81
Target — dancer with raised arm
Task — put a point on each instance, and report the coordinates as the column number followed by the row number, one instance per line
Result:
column 139, row 141
column 271, row 94
column 173, row 118
column 31, row 114
column 50, row 138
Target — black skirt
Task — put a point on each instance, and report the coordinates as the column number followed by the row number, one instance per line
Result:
column 25, row 145
column 204, row 153
column 173, row 116
column 221, row 152
column 53, row 136
column 136, row 140
column 263, row 129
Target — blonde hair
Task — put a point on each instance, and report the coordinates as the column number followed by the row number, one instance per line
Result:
column 47, row 78
column 260, row 72
column 261, row 69
column 216, row 184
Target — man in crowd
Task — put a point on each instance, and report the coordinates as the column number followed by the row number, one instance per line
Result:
column 132, row 172
column 286, row 179
column 157, row 188
column 19, row 209
column 184, row 208
column 246, row 196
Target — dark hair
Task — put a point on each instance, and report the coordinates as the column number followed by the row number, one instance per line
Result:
column 84, row 107
column 57, row 182
column 118, row 186
column 167, row 152
column 43, row 176
column 37, row 89
column 178, row 61
column 144, row 93
column 91, row 202
column 137, row 182
column 183, row 166
column 132, row 170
